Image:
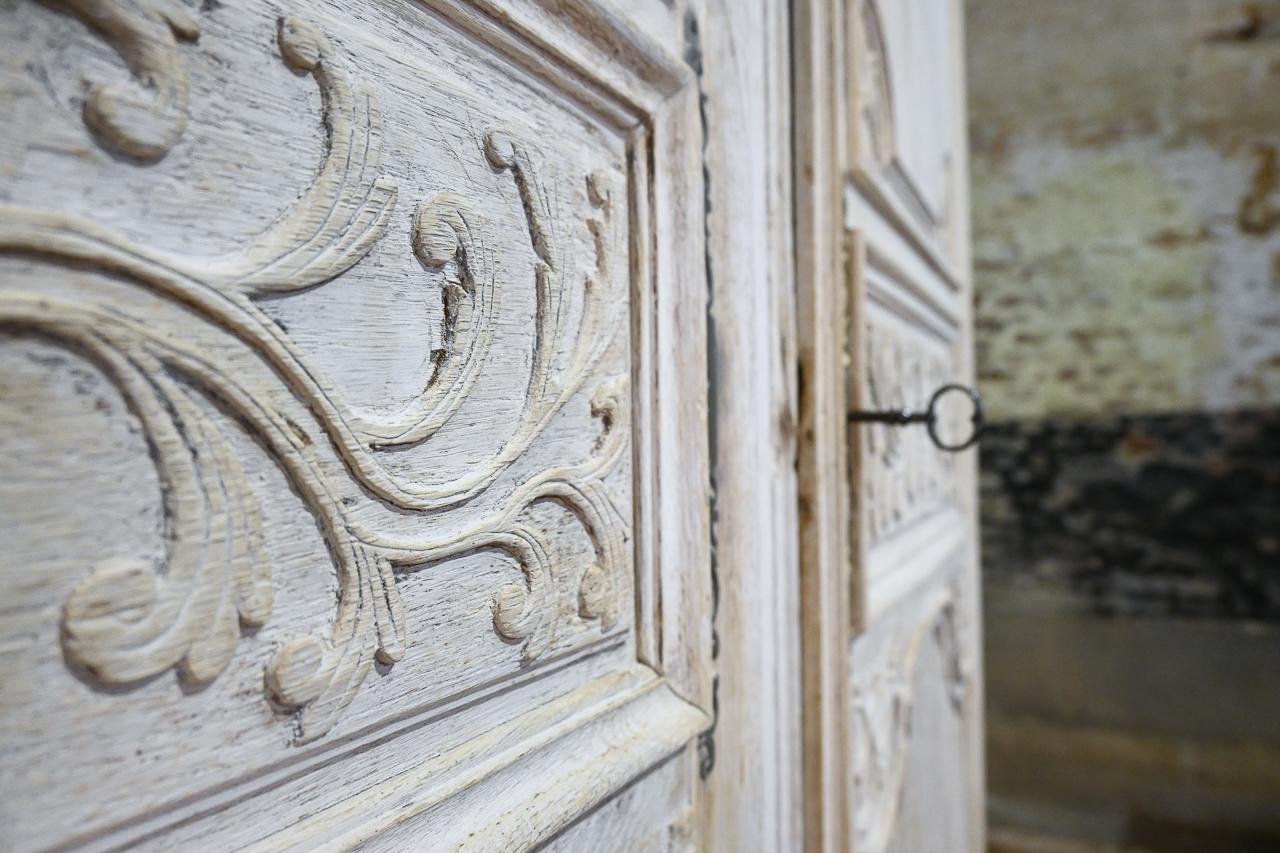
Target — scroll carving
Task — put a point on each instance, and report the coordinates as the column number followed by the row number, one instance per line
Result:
column 144, row 119
column 345, row 210
column 882, row 707
column 123, row 623
column 127, row 621
column 447, row 231
column 904, row 474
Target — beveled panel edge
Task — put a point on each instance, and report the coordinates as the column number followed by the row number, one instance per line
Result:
column 582, row 47
column 594, row 753
column 607, row 56
column 601, row 748
column 893, row 252
column 876, row 176
column 220, row 801
column 925, row 549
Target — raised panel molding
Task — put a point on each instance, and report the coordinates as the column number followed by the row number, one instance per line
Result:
column 905, row 494
column 901, row 123
column 566, row 285
column 887, row 525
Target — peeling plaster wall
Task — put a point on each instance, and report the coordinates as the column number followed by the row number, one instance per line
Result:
column 1126, row 205
column 1126, row 212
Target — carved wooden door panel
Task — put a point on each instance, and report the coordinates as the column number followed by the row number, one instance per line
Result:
column 352, row 446
column 887, row 519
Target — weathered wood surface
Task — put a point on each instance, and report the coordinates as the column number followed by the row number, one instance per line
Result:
column 752, row 788
column 355, row 474
column 891, row 640
column 420, row 430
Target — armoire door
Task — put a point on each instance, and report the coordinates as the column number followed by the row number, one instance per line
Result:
column 353, row 427
column 888, row 534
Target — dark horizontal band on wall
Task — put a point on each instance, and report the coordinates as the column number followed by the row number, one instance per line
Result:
column 1172, row 515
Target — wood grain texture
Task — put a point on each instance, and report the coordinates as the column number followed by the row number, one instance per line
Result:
column 883, row 296
column 824, row 514
column 360, row 335
column 751, row 791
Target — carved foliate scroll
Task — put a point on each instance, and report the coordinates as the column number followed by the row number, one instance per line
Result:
column 144, row 118
column 211, row 354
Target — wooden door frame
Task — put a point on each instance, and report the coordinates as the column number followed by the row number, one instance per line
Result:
column 751, row 773
column 823, row 466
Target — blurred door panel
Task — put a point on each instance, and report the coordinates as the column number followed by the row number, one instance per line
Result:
column 888, row 533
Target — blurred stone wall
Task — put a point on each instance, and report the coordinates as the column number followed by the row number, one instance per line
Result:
column 1126, row 213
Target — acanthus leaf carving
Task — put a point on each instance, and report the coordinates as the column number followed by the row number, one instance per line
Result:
column 123, row 623
column 127, row 621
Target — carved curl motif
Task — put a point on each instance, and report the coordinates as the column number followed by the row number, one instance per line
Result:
column 127, row 622
column 145, row 118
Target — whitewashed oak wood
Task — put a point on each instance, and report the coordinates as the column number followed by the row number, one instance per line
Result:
column 394, row 316
column 752, row 793
column 356, row 472
column 891, row 643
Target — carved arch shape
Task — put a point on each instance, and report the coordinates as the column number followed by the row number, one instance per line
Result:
column 883, row 706
column 876, row 85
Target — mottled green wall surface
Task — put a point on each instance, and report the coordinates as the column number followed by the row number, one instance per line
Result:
column 1126, row 220
column 1126, row 204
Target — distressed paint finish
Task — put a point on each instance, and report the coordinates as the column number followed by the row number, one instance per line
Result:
column 1124, row 194
column 887, row 525
column 348, row 424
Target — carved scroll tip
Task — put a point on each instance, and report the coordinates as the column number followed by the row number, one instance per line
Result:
column 435, row 240
column 595, row 596
column 255, row 606
column 295, row 677
column 509, row 617
column 180, row 21
column 388, row 656
column 301, row 45
column 209, row 655
column 599, row 188
column 500, row 148
column 120, row 589
column 131, row 123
